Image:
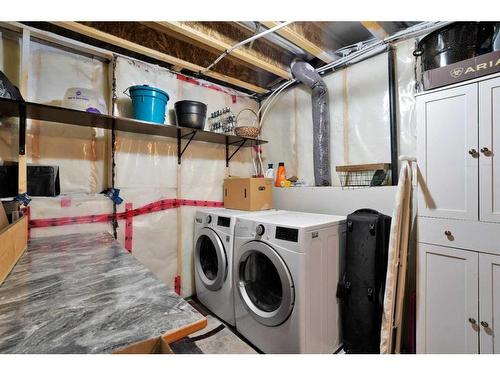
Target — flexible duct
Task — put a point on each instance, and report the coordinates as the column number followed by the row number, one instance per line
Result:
column 306, row 74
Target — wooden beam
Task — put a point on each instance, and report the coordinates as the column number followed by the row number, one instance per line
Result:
column 300, row 41
column 58, row 40
column 22, row 184
column 210, row 41
column 123, row 43
column 375, row 29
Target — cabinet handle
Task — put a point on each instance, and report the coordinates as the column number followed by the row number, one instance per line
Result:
column 484, row 324
column 485, row 150
column 472, row 321
column 447, row 233
column 473, row 152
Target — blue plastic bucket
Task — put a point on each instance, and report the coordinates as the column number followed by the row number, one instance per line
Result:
column 149, row 103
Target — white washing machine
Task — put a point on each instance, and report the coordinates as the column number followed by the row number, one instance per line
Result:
column 213, row 259
column 286, row 269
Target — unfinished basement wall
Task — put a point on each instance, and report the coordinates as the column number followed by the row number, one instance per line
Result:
column 146, row 166
column 10, row 62
column 359, row 117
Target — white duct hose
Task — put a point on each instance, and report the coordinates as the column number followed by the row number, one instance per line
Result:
column 306, row 74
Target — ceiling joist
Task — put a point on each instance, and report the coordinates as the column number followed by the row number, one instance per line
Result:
column 210, row 41
column 376, row 29
column 300, row 41
column 137, row 48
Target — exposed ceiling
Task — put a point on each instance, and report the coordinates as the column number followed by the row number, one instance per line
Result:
column 256, row 67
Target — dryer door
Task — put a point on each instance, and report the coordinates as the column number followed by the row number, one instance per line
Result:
column 210, row 259
column 264, row 284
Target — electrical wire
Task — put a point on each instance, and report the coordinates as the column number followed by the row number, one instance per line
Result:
column 243, row 42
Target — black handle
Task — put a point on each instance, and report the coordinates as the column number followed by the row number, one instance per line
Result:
column 367, row 211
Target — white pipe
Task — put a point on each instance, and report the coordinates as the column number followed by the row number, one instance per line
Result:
column 243, row 42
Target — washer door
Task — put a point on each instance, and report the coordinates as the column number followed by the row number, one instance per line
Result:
column 210, row 259
column 264, row 284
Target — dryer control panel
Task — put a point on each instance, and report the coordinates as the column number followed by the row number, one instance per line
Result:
column 287, row 234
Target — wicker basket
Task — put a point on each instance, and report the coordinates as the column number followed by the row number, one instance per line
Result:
column 247, row 131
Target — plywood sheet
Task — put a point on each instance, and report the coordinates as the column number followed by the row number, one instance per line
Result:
column 13, row 243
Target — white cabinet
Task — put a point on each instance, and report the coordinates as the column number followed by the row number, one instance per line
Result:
column 447, row 123
column 458, row 133
column 447, row 300
column 458, row 301
column 458, row 271
column 489, row 303
column 489, row 142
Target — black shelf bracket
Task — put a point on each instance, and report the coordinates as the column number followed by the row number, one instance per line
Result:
column 180, row 149
column 240, row 145
column 22, row 128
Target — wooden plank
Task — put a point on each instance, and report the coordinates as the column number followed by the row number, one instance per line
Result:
column 123, row 43
column 59, row 40
column 191, row 33
column 179, row 333
column 300, row 41
column 375, row 29
column 363, row 167
column 4, row 222
column 22, row 186
column 13, row 243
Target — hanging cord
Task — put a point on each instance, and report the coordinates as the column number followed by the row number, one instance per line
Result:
column 113, row 145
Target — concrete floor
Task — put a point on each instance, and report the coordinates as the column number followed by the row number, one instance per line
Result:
column 216, row 338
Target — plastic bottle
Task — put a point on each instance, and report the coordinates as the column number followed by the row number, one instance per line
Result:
column 280, row 174
column 269, row 172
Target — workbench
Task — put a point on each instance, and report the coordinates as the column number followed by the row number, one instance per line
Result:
column 83, row 293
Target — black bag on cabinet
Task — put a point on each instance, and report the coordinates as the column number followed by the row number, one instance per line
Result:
column 362, row 287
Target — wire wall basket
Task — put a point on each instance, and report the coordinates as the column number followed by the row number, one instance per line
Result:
column 364, row 175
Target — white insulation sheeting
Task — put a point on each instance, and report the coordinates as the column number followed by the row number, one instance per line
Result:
column 147, row 170
column 146, row 166
column 78, row 151
column 359, row 117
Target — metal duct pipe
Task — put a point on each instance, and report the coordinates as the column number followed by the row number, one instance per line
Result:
column 306, row 74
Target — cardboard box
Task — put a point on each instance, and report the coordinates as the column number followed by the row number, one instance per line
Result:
column 152, row 346
column 248, row 194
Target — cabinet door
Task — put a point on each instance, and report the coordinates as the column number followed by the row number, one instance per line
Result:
column 447, row 153
column 489, row 302
column 489, row 143
column 447, row 300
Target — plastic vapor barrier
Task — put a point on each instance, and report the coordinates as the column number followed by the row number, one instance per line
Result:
column 146, row 166
column 359, row 117
column 78, row 151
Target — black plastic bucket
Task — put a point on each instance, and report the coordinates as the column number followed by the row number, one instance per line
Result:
column 191, row 114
